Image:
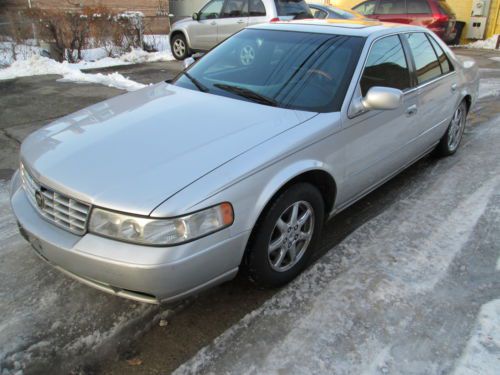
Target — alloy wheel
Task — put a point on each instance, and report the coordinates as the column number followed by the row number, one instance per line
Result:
column 457, row 127
column 179, row 47
column 291, row 236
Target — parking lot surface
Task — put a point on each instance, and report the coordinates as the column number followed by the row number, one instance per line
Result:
column 53, row 324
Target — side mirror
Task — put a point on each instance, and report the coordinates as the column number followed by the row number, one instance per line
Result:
column 382, row 98
column 196, row 16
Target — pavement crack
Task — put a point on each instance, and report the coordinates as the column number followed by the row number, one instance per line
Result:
column 10, row 137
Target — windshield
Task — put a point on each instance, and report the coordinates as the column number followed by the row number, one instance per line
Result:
column 296, row 70
column 296, row 8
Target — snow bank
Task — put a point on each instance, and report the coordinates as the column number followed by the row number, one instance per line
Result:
column 489, row 43
column 39, row 65
column 489, row 87
column 481, row 353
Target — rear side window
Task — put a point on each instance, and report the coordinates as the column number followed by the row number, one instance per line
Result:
column 426, row 62
column 386, row 66
column 367, row 8
column 296, row 8
column 391, row 7
column 446, row 66
column 318, row 13
column 256, row 8
column 418, row 7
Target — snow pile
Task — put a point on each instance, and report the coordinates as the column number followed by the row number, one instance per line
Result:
column 137, row 56
column 23, row 51
column 489, row 43
column 39, row 65
column 489, row 87
column 481, row 354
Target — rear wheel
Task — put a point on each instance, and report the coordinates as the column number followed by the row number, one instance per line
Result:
column 179, row 47
column 285, row 236
column 450, row 141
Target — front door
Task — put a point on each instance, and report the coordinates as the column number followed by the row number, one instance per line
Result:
column 203, row 33
column 377, row 142
column 234, row 17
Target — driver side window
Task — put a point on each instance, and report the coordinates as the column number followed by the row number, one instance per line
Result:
column 386, row 66
column 211, row 10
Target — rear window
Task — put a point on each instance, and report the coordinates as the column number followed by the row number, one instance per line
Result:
column 390, row 7
column 296, row 8
column 418, row 7
column 445, row 8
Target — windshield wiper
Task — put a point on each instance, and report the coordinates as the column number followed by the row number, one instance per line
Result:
column 247, row 93
column 197, row 83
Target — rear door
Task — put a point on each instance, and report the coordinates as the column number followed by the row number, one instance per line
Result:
column 256, row 12
column 378, row 142
column 392, row 11
column 437, row 88
column 233, row 18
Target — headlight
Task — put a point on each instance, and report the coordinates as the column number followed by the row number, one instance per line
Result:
column 148, row 231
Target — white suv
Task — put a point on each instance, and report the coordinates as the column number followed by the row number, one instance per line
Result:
column 219, row 19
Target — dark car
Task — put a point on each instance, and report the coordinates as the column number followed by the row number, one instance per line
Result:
column 326, row 11
column 436, row 15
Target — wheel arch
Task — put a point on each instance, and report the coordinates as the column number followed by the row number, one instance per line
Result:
column 181, row 32
column 314, row 174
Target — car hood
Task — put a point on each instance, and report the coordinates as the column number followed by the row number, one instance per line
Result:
column 132, row 152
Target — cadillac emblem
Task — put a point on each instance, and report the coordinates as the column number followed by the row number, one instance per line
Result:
column 40, row 201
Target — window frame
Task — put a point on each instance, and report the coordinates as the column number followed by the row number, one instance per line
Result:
column 414, row 68
column 357, row 87
column 408, row 65
column 200, row 12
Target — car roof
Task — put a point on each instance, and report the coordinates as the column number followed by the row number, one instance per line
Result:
column 354, row 27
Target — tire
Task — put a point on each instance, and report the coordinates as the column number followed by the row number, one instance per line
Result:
column 262, row 265
column 179, row 47
column 450, row 141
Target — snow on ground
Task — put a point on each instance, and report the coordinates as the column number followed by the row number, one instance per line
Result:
column 489, row 87
column 38, row 65
column 399, row 295
column 48, row 320
column 489, row 43
column 482, row 353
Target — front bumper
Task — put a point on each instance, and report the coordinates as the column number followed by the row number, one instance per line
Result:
column 142, row 273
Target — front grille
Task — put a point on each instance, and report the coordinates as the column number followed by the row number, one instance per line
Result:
column 58, row 208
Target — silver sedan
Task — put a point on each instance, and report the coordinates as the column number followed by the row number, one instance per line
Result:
column 236, row 164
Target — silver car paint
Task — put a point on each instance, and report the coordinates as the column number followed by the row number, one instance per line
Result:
column 359, row 153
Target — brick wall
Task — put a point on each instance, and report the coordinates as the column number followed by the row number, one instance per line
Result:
column 155, row 11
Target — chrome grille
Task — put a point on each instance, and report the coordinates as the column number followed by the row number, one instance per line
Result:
column 58, row 208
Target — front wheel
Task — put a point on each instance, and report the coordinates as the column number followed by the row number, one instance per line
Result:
column 450, row 141
column 285, row 236
column 179, row 47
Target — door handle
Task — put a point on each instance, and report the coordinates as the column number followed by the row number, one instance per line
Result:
column 411, row 110
column 454, row 87
column 213, row 23
column 240, row 21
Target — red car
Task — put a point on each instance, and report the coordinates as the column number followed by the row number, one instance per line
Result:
column 436, row 15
